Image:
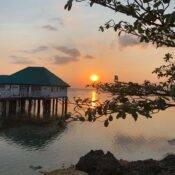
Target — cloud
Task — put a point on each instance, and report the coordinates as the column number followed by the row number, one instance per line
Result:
column 36, row 50
column 64, row 59
column 49, row 28
column 128, row 41
column 71, row 55
column 71, row 52
column 21, row 60
column 59, row 20
column 90, row 57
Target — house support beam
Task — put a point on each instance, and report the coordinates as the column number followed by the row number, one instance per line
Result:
column 53, row 107
column 65, row 103
column 56, row 108
column 29, row 107
column 34, row 107
column 23, row 102
column 4, row 108
column 46, row 108
column 12, row 107
column 38, row 108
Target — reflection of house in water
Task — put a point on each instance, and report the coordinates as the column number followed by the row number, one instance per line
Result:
column 30, row 89
column 32, row 137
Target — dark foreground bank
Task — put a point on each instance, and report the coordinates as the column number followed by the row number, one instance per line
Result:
column 99, row 163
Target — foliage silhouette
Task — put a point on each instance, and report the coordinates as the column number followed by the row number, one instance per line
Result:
column 153, row 21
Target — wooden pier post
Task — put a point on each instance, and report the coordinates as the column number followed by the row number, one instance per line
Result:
column 34, row 107
column 30, row 107
column 4, row 108
column 56, row 108
column 38, row 108
column 63, row 105
column 23, row 102
column 53, row 107
column 65, row 111
column 46, row 108
column 12, row 107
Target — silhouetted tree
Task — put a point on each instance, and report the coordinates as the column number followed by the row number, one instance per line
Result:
column 153, row 21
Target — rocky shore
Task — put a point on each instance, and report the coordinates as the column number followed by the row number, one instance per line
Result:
column 99, row 163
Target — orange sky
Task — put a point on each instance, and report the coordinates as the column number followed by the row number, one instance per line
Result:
column 42, row 33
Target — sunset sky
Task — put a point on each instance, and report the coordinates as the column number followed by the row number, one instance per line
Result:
column 42, row 33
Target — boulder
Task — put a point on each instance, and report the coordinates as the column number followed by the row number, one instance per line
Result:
column 146, row 167
column 99, row 163
column 168, row 164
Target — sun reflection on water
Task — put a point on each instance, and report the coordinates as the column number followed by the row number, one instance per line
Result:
column 94, row 98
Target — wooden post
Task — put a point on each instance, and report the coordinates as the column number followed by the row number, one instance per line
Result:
column 34, row 107
column 7, row 108
column 46, row 108
column 65, row 111
column 23, row 106
column 4, row 108
column 62, row 107
column 29, row 107
column 38, row 108
column 56, row 109
column 49, row 107
column 53, row 107
column 12, row 107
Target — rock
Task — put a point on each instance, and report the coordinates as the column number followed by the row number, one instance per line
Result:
column 98, row 163
column 35, row 167
column 168, row 164
column 146, row 167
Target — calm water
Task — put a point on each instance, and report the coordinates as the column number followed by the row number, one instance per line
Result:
column 126, row 139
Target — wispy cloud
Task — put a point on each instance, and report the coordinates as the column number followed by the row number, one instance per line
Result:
column 71, row 55
column 64, row 59
column 21, row 60
column 49, row 28
column 90, row 57
column 72, row 52
column 36, row 50
column 60, row 21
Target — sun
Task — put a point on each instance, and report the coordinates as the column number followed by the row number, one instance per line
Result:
column 94, row 77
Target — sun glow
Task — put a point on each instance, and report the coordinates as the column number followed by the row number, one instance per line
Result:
column 94, row 77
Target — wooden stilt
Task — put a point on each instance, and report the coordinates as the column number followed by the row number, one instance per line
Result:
column 34, row 107
column 56, row 108
column 38, row 108
column 65, row 111
column 23, row 106
column 49, row 107
column 12, row 107
column 46, row 108
column 53, row 107
column 30, row 107
column 63, row 102
column 4, row 107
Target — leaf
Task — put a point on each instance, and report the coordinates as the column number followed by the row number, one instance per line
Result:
column 146, row 1
column 166, row 1
column 157, row 4
column 82, row 119
column 106, row 123
column 110, row 118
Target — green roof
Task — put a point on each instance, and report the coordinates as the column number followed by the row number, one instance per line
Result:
column 33, row 76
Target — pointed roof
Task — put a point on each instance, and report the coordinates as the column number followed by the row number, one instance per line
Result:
column 33, row 76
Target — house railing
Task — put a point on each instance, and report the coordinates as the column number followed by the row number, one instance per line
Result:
column 34, row 94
